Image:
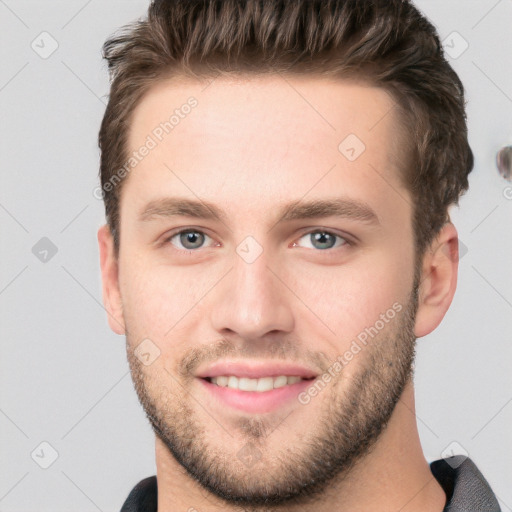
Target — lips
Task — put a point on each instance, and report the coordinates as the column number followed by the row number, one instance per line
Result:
column 256, row 370
column 246, row 385
column 224, row 399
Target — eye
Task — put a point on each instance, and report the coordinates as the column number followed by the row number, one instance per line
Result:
column 321, row 239
column 188, row 239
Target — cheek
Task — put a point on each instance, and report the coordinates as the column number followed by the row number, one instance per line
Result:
column 350, row 298
column 160, row 301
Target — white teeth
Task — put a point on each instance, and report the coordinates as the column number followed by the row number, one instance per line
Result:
column 222, row 381
column 261, row 385
column 245, row 384
column 280, row 381
column 265, row 384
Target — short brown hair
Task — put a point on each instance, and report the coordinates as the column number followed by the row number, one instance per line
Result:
column 385, row 43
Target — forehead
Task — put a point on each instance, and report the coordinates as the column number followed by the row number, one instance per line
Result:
column 292, row 107
column 251, row 141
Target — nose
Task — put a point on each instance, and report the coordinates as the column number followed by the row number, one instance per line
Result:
column 252, row 301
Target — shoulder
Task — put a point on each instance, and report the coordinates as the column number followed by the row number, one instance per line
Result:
column 143, row 497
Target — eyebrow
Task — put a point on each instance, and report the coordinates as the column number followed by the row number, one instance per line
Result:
column 295, row 210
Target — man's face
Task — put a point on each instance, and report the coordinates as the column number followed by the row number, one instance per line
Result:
column 254, row 289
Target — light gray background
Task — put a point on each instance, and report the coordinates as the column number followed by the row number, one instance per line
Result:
column 64, row 375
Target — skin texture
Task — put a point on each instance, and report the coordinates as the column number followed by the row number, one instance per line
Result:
column 249, row 147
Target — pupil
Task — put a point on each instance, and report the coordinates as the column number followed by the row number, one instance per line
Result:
column 191, row 237
column 321, row 237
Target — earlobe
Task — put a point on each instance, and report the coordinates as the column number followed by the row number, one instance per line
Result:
column 438, row 280
column 110, row 280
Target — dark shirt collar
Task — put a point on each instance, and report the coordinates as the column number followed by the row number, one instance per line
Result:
column 466, row 488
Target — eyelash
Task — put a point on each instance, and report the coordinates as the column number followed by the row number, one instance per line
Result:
column 347, row 242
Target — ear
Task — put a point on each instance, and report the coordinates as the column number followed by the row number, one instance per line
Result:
column 110, row 279
column 438, row 280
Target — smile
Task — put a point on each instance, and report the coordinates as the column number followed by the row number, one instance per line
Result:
column 256, row 396
column 260, row 385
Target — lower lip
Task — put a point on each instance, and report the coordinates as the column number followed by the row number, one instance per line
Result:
column 255, row 401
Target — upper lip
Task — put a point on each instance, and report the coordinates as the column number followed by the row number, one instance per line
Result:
column 256, row 369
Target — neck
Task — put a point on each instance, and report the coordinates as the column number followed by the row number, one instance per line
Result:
column 393, row 476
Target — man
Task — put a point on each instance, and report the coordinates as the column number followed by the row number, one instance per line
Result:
column 277, row 177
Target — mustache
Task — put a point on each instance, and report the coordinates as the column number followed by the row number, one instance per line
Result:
column 280, row 350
